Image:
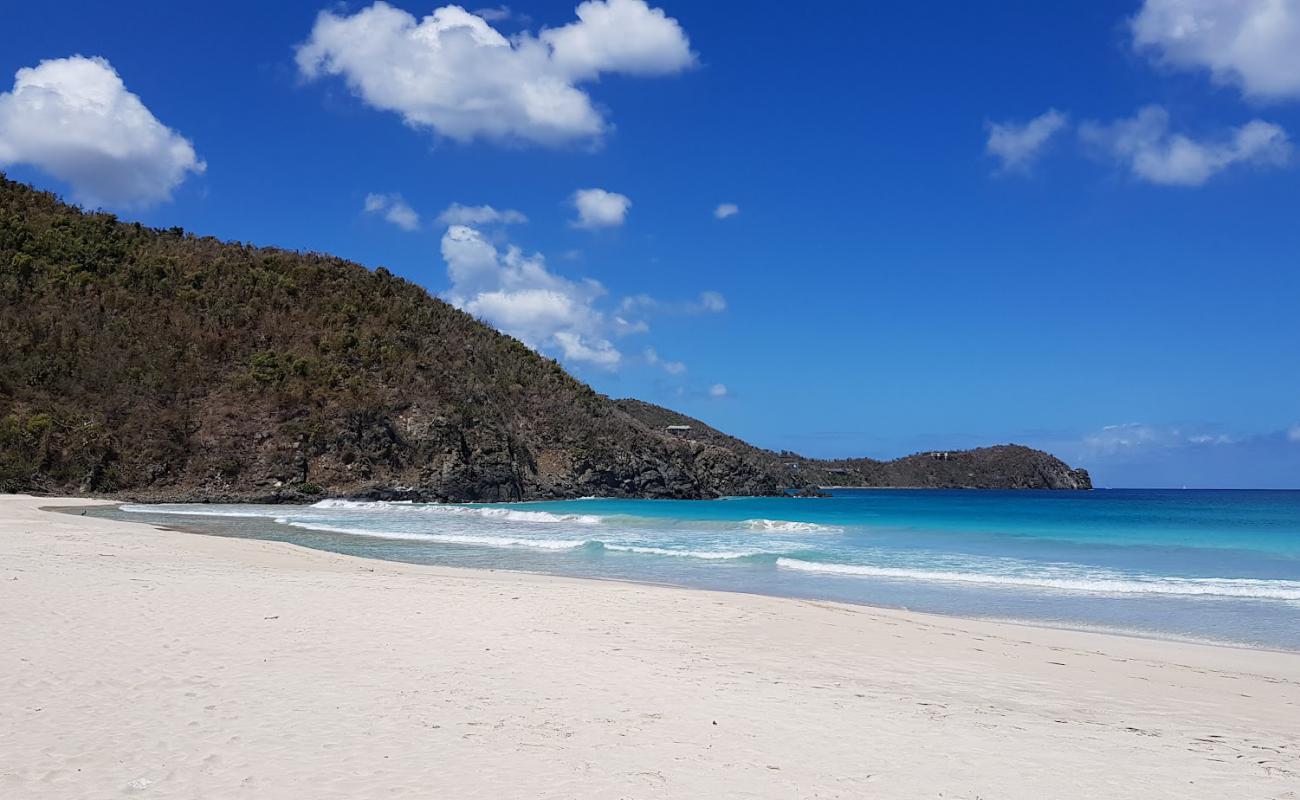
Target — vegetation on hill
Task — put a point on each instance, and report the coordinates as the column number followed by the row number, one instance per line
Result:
column 1000, row 467
column 155, row 363
column 160, row 365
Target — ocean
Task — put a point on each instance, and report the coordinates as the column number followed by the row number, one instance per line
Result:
column 1221, row 566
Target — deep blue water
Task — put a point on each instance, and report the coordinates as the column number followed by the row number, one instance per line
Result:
column 1217, row 565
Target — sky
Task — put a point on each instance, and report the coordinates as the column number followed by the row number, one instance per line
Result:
column 839, row 229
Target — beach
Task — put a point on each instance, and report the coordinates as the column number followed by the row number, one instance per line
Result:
column 156, row 663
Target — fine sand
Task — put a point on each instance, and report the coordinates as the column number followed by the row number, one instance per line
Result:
column 142, row 662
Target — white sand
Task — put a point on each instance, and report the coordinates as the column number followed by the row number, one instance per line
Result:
column 150, row 663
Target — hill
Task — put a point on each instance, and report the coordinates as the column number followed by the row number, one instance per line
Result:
column 1000, row 467
column 158, row 364
column 155, row 364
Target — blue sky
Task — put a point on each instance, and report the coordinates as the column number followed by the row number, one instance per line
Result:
column 1069, row 225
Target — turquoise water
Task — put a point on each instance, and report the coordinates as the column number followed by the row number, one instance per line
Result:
column 1216, row 565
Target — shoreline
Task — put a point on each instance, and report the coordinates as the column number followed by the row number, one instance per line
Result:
column 235, row 667
column 1157, row 636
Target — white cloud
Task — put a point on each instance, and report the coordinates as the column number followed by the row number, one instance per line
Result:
column 639, row 302
column 394, row 209
column 709, row 302
column 495, row 13
column 457, row 214
column 1129, row 436
column 627, row 327
column 712, row 301
column 600, row 352
column 718, row 390
column 619, row 36
column 1134, row 438
column 1145, row 144
column 74, row 119
column 1018, row 145
column 671, row 367
column 725, row 210
column 520, row 296
column 1293, row 435
column 1251, row 44
column 1210, row 439
column 454, row 73
column 598, row 208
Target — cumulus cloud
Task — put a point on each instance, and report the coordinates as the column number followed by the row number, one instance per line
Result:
column 74, row 119
column 520, row 295
column 718, row 390
column 671, row 367
column 598, row 208
column 624, row 36
column 1153, row 153
column 598, row 352
column 725, row 210
column 457, row 214
column 454, row 73
column 1019, row 144
column 1251, row 44
column 394, row 209
column 517, row 294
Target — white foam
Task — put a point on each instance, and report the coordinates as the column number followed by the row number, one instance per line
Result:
column 491, row 512
column 361, row 505
column 785, row 526
column 446, row 538
column 196, row 511
column 1223, row 587
column 715, row 555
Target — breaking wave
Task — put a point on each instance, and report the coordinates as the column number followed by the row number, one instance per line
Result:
column 712, row 555
column 446, row 538
column 784, row 526
column 507, row 514
column 1222, row 587
column 483, row 540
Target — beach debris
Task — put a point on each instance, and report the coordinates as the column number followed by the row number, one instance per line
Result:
column 139, row 785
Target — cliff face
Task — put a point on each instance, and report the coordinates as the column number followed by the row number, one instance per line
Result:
column 158, row 365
